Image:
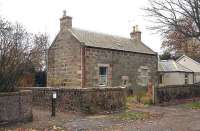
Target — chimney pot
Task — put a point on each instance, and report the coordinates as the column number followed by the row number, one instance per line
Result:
column 65, row 21
column 64, row 13
column 136, row 33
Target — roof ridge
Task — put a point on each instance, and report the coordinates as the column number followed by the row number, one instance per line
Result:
column 102, row 33
column 188, row 58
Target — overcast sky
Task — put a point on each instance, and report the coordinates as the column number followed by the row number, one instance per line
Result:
column 108, row 16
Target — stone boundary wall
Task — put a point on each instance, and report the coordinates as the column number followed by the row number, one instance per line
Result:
column 15, row 107
column 175, row 92
column 87, row 100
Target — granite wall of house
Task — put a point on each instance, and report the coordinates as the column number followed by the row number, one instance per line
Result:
column 64, row 61
column 121, row 65
column 88, row 100
column 67, row 56
column 15, row 107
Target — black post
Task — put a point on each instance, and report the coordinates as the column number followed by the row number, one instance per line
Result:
column 53, row 107
column 53, row 114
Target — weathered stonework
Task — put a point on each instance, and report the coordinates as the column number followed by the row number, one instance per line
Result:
column 88, row 100
column 64, row 61
column 120, row 64
column 15, row 107
column 75, row 57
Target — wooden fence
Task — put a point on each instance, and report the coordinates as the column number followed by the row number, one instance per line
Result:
column 175, row 92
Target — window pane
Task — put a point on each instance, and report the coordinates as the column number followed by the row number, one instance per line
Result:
column 102, row 70
column 103, row 75
column 161, row 79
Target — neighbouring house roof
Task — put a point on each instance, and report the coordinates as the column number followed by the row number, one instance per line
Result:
column 171, row 66
column 185, row 56
column 189, row 63
column 100, row 40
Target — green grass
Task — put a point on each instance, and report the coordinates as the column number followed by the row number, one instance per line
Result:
column 193, row 105
column 132, row 102
column 130, row 115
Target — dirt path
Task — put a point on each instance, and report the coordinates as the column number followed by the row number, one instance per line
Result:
column 173, row 119
column 164, row 119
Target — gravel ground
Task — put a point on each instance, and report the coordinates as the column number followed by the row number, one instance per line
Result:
column 162, row 119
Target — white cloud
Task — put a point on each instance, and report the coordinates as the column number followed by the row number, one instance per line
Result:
column 108, row 16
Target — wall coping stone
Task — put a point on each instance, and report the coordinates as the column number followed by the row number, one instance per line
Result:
column 74, row 89
column 15, row 93
column 178, row 86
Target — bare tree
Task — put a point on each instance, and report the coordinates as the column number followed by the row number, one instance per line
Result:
column 182, row 16
column 39, row 51
column 18, row 52
column 14, row 54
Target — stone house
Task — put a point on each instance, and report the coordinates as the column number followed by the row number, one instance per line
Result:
column 80, row 58
column 173, row 73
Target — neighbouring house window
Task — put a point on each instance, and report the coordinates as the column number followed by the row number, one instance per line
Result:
column 161, row 79
column 103, row 75
column 186, row 79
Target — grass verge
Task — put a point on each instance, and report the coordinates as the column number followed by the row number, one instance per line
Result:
column 192, row 105
column 130, row 115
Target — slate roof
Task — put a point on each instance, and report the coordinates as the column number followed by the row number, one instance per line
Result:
column 171, row 66
column 100, row 40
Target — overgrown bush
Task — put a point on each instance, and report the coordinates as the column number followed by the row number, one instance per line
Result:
column 147, row 100
column 140, row 92
column 20, row 52
column 140, row 95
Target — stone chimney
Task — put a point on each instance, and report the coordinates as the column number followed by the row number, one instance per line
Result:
column 136, row 34
column 65, row 21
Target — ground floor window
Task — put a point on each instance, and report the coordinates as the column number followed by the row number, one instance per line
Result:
column 144, row 77
column 125, row 80
column 103, row 75
column 186, row 79
column 160, row 79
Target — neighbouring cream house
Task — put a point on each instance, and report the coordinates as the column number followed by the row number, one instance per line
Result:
column 192, row 65
column 81, row 58
column 173, row 73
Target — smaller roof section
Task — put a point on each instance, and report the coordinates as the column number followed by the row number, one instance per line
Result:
column 171, row 66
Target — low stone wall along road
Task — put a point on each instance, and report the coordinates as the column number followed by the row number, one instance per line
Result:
column 87, row 100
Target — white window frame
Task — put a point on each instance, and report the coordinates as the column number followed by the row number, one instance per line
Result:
column 101, row 76
column 186, row 78
column 143, row 77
